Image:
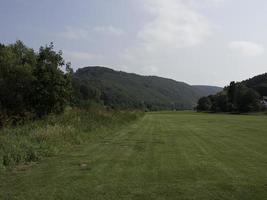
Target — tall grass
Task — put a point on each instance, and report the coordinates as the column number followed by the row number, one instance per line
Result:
column 56, row 133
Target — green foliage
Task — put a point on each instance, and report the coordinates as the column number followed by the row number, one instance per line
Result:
column 32, row 84
column 85, row 93
column 204, row 104
column 258, row 83
column 125, row 90
column 247, row 99
column 52, row 87
column 235, row 98
column 16, row 67
column 219, row 102
column 245, row 96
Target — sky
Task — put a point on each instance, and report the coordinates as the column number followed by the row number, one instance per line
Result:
column 207, row 42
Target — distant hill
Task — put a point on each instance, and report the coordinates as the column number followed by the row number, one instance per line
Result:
column 208, row 90
column 121, row 89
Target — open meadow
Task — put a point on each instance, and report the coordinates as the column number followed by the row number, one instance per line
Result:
column 163, row 155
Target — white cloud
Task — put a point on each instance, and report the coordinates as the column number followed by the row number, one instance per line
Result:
column 203, row 3
column 109, row 30
column 174, row 24
column 246, row 48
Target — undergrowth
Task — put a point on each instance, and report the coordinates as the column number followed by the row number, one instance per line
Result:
column 54, row 134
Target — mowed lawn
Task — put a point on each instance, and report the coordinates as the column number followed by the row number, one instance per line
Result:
column 172, row 155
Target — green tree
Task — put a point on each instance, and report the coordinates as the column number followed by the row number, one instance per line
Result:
column 247, row 99
column 16, row 66
column 52, row 86
column 32, row 84
column 231, row 93
column 204, row 104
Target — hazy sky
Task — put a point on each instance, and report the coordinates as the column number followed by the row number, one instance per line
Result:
column 197, row 41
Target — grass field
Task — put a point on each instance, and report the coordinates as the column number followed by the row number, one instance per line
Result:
column 181, row 155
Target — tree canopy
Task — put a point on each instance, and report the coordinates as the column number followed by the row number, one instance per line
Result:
column 32, row 84
column 237, row 97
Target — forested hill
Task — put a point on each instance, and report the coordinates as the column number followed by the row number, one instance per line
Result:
column 121, row 89
column 238, row 97
column 206, row 90
column 258, row 83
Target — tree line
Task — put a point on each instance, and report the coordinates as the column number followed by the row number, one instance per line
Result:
column 35, row 84
column 236, row 98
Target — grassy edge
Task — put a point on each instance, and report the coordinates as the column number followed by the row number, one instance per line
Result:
column 57, row 133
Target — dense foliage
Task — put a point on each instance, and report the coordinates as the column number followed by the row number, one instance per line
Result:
column 237, row 97
column 124, row 90
column 258, row 83
column 32, row 84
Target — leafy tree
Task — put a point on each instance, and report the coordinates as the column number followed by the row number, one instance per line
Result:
column 52, row 87
column 219, row 103
column 32, row 84
column 16, row 66
column 231, row 92
column 235, row 98
column 247, row 99
column 204, row 104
